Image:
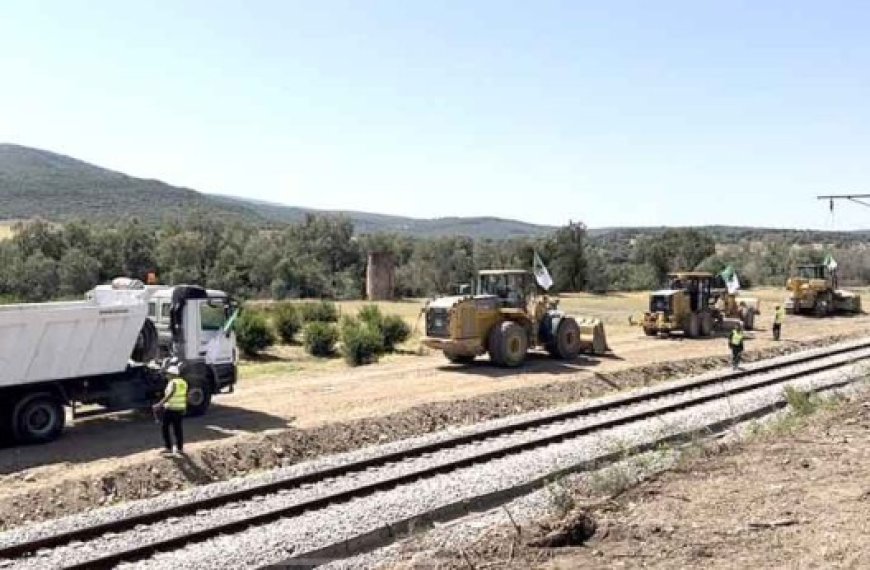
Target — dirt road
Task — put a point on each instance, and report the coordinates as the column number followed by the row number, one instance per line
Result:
column 265, row 403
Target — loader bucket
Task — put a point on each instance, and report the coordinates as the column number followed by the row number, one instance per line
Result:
column 592, row 337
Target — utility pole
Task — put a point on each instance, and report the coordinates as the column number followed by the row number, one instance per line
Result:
column 857, row 198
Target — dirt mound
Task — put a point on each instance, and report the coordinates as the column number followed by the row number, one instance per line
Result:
column 241, row 456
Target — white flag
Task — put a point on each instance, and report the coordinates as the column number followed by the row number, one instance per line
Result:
column 542, row 276
column 731, row 280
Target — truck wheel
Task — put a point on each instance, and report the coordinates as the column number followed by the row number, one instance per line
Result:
column 198, row 398
column 37, row 418
column 459, row 358
column 749, row 320
column 567, row 341
column 508, row 344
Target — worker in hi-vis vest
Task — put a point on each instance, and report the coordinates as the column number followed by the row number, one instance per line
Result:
column 174, row 406
column 778, row 318
column 735, row 342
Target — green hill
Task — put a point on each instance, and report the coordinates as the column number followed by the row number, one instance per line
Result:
column 36, row 182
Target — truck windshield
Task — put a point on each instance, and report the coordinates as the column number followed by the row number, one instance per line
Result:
column 212, row 315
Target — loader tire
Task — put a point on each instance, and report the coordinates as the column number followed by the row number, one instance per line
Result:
column 693, row 327
column 566, row 345
column 508, row 344
column 648, row 331
column 706, row 325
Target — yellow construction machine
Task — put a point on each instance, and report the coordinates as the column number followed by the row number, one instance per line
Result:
column 690, row 304
column 813, row 289
column 506, row 317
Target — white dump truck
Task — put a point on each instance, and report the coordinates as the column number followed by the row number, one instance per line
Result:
column 103, row 354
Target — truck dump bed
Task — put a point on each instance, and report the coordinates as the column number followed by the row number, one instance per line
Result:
column 55, row 341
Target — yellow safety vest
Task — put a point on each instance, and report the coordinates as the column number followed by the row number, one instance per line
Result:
column 736, row 338
column 780, row 316
column 178, row 401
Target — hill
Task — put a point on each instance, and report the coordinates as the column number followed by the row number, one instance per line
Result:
column 36, row 182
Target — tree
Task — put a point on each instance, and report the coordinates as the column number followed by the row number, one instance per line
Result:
column 675, row 250
column 77, row 272
column 567, row 257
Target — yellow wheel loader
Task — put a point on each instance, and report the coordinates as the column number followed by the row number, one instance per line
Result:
column 813, row 290
column 506, row 318
column 692, row 306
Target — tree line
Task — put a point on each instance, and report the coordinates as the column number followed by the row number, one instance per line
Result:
column 323, row 257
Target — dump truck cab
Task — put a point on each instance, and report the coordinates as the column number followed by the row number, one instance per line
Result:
column 505, row 318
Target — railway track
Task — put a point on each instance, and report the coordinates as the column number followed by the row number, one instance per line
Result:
column 168, row 529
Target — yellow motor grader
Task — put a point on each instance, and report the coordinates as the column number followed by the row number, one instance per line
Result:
column 691, row 305
column 506, row 317
column 813, row 289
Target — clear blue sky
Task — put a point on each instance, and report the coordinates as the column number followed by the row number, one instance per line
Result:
column 614, row 113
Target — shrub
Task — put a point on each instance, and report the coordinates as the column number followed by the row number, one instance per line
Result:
column 252, row 332
column 320, row 312
column 361, row 343
column 394, row 330
column 320, row 338
column 370, row 315
column 285, row 318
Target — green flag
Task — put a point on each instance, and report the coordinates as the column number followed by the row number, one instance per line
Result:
column 830, row 262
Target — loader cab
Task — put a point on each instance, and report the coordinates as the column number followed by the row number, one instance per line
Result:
column 513, row 287
column 811, row 272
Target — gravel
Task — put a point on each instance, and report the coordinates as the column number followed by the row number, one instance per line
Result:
column 274, row 542
column 271, row 543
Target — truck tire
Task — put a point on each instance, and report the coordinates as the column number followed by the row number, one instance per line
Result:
column 508, row 344
column 749, row 320
column 566, row 345
column 37, row 418
column 198, row 398
column 200, row 386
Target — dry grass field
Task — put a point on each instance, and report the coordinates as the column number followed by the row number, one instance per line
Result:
column 614, row 309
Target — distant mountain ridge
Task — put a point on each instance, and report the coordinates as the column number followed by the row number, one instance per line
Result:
column 35, row 182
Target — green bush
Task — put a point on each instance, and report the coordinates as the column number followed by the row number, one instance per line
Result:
column 253, row 334
column 370, row 315
column 319, row 338
column 394, row 330
column 361, row 343
column 320, row 312
column 285, row 318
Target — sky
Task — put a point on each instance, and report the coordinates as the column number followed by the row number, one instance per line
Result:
column 612, row 113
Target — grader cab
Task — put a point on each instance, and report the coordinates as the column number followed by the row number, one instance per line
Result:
column 506, row 317
column 693, row 305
